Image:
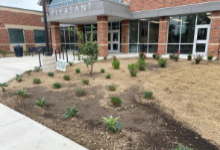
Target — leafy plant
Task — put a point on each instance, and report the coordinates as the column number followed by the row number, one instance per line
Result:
column 141, row 64
column 56, row 85
column 210, row 57
column 181, row 147
column 154, row 56
column 158, row 56
column 40, row 103
column 70, row 112
column 112, row 88
column 77, row 70
column 66, row 77
column 162, row 62
column 142, row 55
column 133, row 69
column 50, row 74
column 176, row 56
column 105, row 58
column 3, row 86
column 102, row 70
column 108, row 76
column 71, row 63
column 171, row 56
column 4, row 53
column 29, row 72
column 198, row 58
column 85, row 81
column 148, row 94
column 80, row 92
column 36, row 69
column 115, row 63
column 36, row 81
column 19, row 77
column 116, row 101
column 22, row 93
column 112, row 124
column 26, row 52
column 189, row 57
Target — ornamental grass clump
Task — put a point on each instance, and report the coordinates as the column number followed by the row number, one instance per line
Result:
column 198, row 58
column 85, row 82
column 112, row 88
column 22, row 93
column 3, row 86
column 102, row 70
column 148, row 94
column 162, row 62
column 115, row 63
column 40, row 103
column 210, row 57
column 56, row 85
column 133, row 69
column 66, row 77
column 36, row 81
column 108, row 76
column 50, row 74
column 77, row 70
column 112, row 124
column 70, row 112
column 116, row 101
column 80, row 92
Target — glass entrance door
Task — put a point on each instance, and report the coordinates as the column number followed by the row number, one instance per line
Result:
column 114, row 41
column 201, row 40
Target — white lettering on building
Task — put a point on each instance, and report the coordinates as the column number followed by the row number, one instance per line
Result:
column 83, row 8
column 65, row 12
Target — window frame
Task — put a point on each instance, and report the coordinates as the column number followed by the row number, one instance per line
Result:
column 10, row 39
column 35, row 39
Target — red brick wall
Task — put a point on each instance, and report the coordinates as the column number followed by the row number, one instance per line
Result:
column 140, row 5
column 4, row 39
column 102, row 25
column 55, row 35
column 162, row 39
column 125, row 36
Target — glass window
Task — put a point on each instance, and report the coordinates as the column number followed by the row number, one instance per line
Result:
column 152, row 48
column 200, row 47
column 133, row 48
column 172, row 48
column 202, row 34
column 109, row 26
column 72, row 36
column 67, row 35
column 39, row 36
column 204, row 18
column 115, row 25
column 62, row 34
column 154, row 30
column 143, row 31
column 174, row 29
column 186, row 49
column 188, row 28
column 133, row 32
column 143, row 48
column 16, row 36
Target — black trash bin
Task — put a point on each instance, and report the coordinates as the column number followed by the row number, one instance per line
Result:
column 18, row 51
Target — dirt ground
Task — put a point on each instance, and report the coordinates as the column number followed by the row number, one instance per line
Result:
column 185, row 108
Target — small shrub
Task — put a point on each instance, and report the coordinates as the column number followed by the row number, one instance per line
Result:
column 77, row 70
column 181, row 147
column 198, row 58
column 162, row 62
column 189, row 57
column 210, row 57
column 36, row 69
column 112, row 124
column 66, row 77
column 116, row 101
column 29, row 72
column 22, row 93
column 115, row 63
column 3, row 86
column 70, row 112
column 40, row 103
column 108, row 76
column 176, row 55
column 133, row 69
column 102, row 70
column 142, row 55
column 56, row 85
column 171, row 56
column 158, row 56
column 71, row 63
column 19, row 77
column 80, row 92
column 142, row 64
column 148, row 94
column 36, row 81
column 50, row 74
column 4, row 53
column 105, row 58
column 154, row 56
column 112, row 88
column 27, row 52
column 85, row 82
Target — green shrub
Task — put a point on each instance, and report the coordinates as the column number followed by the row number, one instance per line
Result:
column 40, row 103
column 176, row 57
column 56, row 85
column 27, row 52
column 148, row 94
column 141, row 64
column 116, row 101
column 105, row 58
column 4, row 53
column 112, row 88
column 133, row 69
column 71, row 63
column 77, row 70
column 162, row 62
column 142, row 55
column 3, row 86
column 157, row 57
column 22, row 93
column 181, row 147
column 189, row 57
column 80, row 92
column 198, row 58
column 154, row 56
column 36, row 81
column 85, row 81
column 36, row 69
column 19, row 77
column 70, row 112
column 102, row 70
column 50, row 74
column 112, row 124
column 66, row 77
column 115, row 63
column 210, row 57
column 108, row 76
column 171, row 56
column 29, row 72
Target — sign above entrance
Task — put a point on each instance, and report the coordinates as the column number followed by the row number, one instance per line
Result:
column 70, row 9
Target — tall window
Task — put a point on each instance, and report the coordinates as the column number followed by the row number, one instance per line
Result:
column 39, row 36
column 16, row 36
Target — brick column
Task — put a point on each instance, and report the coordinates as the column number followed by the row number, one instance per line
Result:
column 29, row 38
column 125, row 36
column 80, row 28
column 214, row 39
column 102, row 23
column 162, row 39
column 55, row 35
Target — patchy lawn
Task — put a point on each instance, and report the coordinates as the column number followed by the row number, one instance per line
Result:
column 185, row 108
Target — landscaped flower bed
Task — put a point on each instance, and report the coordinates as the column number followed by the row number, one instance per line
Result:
column 184, row 96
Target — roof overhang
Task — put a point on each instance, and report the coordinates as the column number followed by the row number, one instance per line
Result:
column 40, row 3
